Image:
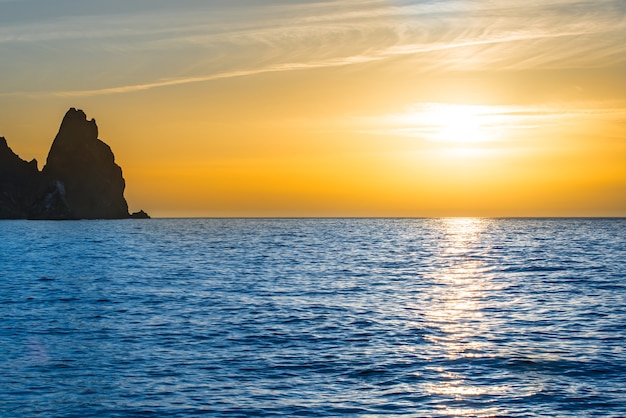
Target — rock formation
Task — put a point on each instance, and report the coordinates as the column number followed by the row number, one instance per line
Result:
column 19, row 183
column 79, row 181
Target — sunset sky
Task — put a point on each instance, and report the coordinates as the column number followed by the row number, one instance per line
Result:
column 332, row 108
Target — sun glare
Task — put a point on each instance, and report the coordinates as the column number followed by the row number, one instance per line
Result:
column 452, row 123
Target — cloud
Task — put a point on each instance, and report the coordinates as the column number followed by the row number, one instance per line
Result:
column 218, row 76
column 200, row 43
column 445, row 122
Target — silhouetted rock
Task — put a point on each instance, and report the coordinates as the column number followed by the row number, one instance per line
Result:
column 52, row 204
column 83, row 169
column 79, row 181
column 20, row 183
column 140, row 215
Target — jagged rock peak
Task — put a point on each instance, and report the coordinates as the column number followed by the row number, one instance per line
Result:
column 79, row 181
column 77, row 115
column 75, row 123
column 85, row 167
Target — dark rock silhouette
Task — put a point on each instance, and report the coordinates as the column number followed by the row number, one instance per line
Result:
column 19, row 183
column 140, row 215
column 82, row 171
column 52, row 204
column 79, row 181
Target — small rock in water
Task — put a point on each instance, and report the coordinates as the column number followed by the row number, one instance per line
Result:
column 140, row 215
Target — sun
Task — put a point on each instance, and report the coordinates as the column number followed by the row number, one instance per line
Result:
column 455, row 123
column 452, row 123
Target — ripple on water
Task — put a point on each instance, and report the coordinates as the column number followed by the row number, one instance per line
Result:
column 324, row 317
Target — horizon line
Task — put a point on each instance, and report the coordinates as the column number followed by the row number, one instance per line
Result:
column 591, row 217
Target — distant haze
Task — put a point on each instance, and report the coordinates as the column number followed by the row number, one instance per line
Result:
column 332, row 108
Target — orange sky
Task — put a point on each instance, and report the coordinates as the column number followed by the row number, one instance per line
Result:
column 334, row 108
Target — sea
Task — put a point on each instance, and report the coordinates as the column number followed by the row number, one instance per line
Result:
column 454, row 317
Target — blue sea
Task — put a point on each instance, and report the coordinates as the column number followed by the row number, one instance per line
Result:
column 313, row 317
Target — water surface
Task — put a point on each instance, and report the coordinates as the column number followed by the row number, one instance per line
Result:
column 313, row 317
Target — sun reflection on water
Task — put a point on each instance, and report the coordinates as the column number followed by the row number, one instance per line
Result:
column 462, row 232
column 460, row 288
column 457, row 309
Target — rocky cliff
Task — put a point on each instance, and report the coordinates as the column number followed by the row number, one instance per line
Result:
column 20, row 183
column 79, row 181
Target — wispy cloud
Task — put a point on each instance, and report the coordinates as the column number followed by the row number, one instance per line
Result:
column 218, row 76
column 447, row 122
column 201, row 44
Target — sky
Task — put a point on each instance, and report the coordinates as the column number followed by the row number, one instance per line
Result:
column 332, row 108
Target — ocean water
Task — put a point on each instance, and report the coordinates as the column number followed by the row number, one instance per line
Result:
column 313, row 317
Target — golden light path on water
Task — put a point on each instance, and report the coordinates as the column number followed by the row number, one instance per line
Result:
column 462, row 282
